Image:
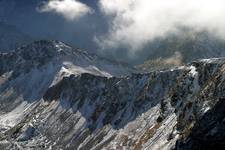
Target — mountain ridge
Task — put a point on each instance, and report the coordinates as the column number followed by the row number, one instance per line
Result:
column 46, row 108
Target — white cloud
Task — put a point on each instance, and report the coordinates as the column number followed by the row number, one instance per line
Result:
column 70, row 9
column 134, row 23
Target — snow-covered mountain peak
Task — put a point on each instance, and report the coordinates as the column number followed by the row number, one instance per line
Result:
column 43, row 53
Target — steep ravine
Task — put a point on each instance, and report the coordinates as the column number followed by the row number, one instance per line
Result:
column 157, row 110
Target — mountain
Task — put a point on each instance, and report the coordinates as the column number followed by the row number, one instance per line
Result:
column 26, row 16
column 55, row 97
column 182, row 48
column 11, row 37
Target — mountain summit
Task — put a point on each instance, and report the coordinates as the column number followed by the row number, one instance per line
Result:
column 59, row 55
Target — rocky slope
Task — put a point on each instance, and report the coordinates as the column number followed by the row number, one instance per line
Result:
column 51, row 99
column 209, row 131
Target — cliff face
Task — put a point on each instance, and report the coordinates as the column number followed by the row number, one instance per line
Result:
column 62, row 108
column 208, row 132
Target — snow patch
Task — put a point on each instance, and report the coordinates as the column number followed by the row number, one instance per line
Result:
column 12, row 118
column 193, row 71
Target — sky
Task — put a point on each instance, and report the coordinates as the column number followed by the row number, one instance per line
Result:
column 110, row 27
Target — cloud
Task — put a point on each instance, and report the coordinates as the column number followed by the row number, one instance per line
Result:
column 162, row 63
column 70, row 9
column 135, row 23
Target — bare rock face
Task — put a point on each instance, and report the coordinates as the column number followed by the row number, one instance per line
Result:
column 209, row 132
column 59, row 100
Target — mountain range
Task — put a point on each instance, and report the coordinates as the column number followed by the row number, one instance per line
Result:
column 57, row 97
